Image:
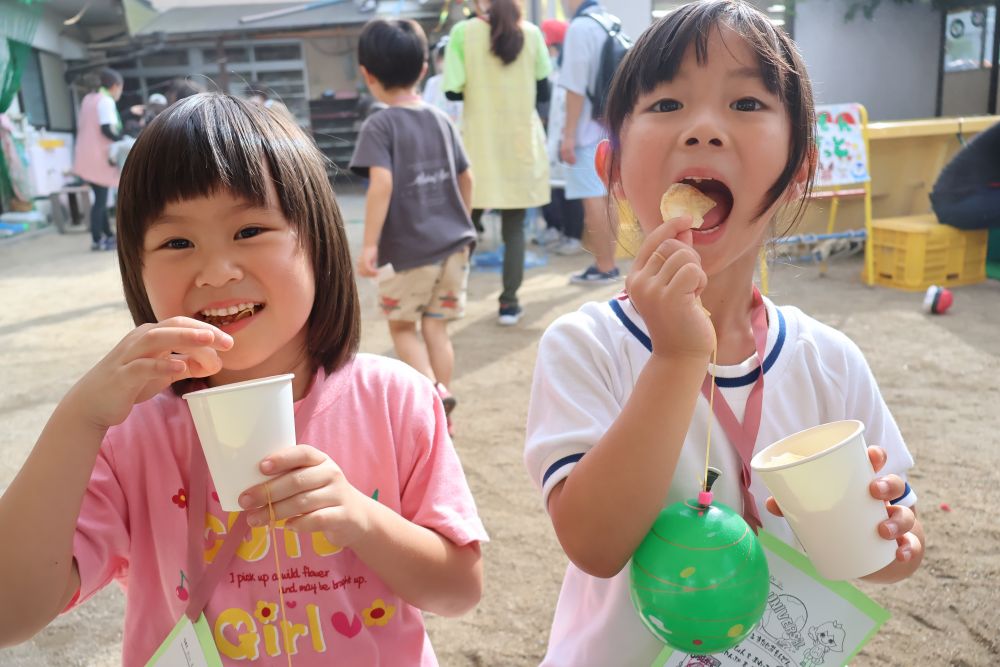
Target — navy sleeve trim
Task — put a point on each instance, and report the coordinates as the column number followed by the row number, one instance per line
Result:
column 906, row 491
column 564, row 461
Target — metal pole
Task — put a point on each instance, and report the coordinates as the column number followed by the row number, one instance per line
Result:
column 991, row 104
column 220, row 49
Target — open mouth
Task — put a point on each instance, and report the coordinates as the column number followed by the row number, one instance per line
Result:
column 718, row 192
column 220, row 317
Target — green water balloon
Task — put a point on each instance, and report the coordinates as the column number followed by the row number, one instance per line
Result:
column 699, row 580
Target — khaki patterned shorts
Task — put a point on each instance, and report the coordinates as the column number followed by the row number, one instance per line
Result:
column 435, row 290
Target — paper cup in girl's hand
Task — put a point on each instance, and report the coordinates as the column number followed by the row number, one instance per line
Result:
column 820, row 479
column 239, row 425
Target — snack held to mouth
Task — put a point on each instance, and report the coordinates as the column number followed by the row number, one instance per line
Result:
column 683, row 199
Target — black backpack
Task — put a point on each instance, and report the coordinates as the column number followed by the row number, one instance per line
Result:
column 615, row 47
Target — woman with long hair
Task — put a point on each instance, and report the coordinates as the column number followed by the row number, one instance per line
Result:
column 499, row 66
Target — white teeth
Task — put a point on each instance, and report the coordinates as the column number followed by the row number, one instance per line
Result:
column 231, row 310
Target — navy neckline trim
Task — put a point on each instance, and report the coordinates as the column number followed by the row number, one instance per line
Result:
column 742, row 381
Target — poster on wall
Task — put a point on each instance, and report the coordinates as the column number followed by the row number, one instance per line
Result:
column 968, row 39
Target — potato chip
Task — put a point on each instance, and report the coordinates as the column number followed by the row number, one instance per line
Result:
column 683, row 199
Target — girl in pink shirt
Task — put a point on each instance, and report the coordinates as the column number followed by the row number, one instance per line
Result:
column 236, row 266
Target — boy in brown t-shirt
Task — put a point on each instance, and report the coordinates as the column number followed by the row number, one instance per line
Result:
column 418, row 232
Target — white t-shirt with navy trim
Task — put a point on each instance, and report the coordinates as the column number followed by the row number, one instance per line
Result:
column 588, row 363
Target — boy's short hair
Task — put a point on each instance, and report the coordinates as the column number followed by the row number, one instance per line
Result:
column 393, row 51
column 212, row 142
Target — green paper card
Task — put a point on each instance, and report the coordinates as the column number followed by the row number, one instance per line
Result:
column 187, row 645
column 809, row 621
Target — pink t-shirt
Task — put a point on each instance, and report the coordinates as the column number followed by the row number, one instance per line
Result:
column 381, row 422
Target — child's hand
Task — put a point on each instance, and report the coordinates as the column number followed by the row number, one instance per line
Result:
column 368, row 261
column 899, row 526
column 310, row 491
column 144, row 363
column 664, row 285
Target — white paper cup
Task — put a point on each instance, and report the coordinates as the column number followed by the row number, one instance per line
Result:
column 826, row 499
column 239, row 425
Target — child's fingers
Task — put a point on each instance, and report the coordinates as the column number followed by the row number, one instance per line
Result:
column 163, row 340
column 221, row 340
column 290, row 458
column 878, row 457
column 909, row 546
column 671, row 229
column 674, row 257
column 689, row 279
column 141, row 371
column 772, row 506
column 901, row 521
column 323, row 520
column 296, row 505
column 289, row 485
column 200, row 363
column 887, row 488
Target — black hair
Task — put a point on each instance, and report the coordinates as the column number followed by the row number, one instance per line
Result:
column 110, row 77
column 506, row 36
column 393, row 51
column 180, row 88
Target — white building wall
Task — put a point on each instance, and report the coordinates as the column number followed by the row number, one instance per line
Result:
column 889, row 64
column 48, row 37
column 636, row 15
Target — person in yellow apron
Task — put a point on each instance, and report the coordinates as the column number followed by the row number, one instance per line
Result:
column 499, row 66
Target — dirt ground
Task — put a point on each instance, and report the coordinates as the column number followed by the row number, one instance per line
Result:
column 63, row 309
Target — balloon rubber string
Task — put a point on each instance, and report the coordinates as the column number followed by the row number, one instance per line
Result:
column 711, row 413
column 277, row 566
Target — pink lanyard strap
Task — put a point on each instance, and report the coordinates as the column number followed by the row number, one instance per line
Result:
column 204, row 580
column 744, row 436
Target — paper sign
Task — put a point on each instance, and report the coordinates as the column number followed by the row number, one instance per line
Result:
column 187, row 645
column 840, row 145
column 808, row 622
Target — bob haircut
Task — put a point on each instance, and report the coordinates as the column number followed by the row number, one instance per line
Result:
column 211, row 143
column 659, row 51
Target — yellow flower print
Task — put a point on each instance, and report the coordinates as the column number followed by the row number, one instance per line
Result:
column 266, row 611
column 379, row 613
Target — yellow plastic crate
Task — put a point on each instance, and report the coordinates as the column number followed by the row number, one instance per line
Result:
column 915, row 252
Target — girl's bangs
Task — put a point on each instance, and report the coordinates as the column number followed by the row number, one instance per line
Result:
column 201, row 147
column 693, row 25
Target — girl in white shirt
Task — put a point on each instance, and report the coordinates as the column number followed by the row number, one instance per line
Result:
column 715, row 96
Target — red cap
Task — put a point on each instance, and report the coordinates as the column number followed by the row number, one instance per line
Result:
column 554, row 31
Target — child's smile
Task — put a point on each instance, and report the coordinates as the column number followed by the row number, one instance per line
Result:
column 230, row 317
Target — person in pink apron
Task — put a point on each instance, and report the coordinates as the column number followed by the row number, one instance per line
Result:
column 99, row 126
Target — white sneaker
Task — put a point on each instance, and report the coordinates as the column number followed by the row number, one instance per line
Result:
column 547, row 237
column 509, row 315
column 569, row 247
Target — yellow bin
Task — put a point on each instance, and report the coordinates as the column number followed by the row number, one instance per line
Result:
column 915, row 252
